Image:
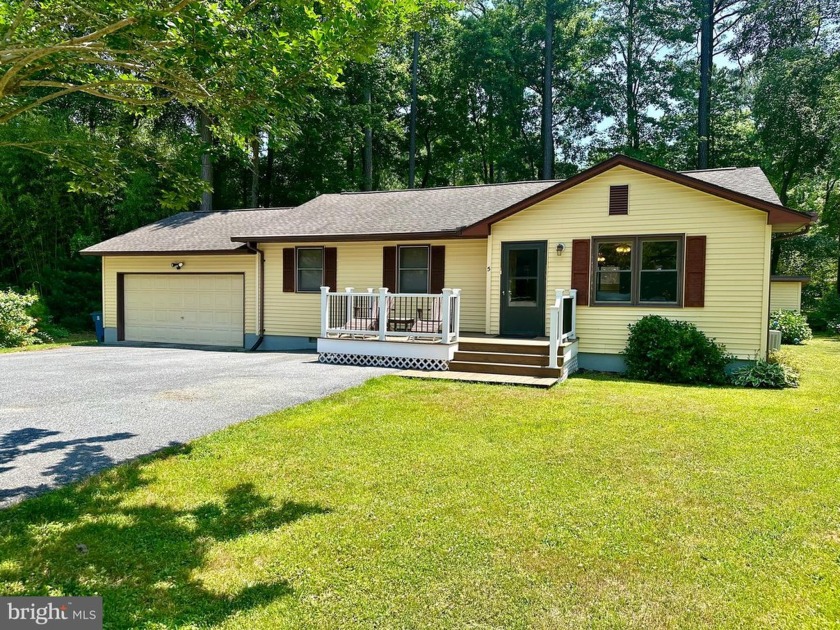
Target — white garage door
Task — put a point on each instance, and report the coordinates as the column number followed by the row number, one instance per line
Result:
column 199, row 309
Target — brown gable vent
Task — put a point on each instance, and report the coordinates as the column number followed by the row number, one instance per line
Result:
column 619, row 199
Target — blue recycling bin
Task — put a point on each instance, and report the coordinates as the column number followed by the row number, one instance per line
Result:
column 100, row 329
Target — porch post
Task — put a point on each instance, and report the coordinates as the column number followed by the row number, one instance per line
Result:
column 553, row 338
column 349, row 292
column 445, row 306
column 457, row 294
column 573, row 293
column 383, row 312
column 324, row 311
column 558, row 300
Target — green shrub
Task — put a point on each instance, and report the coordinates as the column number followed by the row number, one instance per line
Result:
column 669, row 351
column 777, row 372
column 826, row 316
column 17, row 326
column 794, row 326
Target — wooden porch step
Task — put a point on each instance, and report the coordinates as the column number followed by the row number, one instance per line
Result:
column 540, row 360
column 505, row 346
column 504, row 368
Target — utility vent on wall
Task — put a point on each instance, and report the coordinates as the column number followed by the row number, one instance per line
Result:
column 619, row 196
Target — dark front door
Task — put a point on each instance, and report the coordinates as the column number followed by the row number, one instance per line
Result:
column 523, row 289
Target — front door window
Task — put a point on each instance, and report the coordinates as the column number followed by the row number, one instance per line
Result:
column 523, row 277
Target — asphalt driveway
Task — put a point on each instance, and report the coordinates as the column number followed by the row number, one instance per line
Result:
column 66, row 413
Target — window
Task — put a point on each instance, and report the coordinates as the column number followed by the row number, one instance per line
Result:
column 637, row 270
column 413, row 269
column 310, row 269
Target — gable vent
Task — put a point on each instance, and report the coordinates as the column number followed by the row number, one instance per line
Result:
column 619, row 199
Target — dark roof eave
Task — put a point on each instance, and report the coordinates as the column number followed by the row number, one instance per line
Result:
column 311, row 238
column 177, row 252
column 776, row 213
column 799, row 279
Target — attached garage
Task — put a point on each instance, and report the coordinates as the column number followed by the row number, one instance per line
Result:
column 191, row 308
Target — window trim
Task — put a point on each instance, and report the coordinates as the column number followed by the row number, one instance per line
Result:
column 428, row 249
column 636, row 270
column 297, row 269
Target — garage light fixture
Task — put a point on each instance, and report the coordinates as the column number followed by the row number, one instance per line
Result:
column 177, row 265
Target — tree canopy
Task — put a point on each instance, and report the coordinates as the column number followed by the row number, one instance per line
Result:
column 108, row 108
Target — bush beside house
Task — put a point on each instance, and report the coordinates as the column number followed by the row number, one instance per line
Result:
column 669, row 351
column 794, row 326
column 18, row 327
column 777, row 372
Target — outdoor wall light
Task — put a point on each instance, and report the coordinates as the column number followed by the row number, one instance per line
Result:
column 177, row 265
column 560, row 248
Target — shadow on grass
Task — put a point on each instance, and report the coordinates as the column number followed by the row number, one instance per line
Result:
column 142, row 558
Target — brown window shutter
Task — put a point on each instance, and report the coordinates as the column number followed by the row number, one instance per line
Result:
column 580, row 269
column 695, row 271
column 389, row 268
column 437, row 268
column 331, row 268
column 288, row 270
column 619, row 199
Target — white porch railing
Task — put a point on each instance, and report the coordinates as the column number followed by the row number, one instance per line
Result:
column 381, row 315
column 561, row 322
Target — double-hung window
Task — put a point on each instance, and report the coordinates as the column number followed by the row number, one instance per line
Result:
column 310, row 269
column 638, row 270
column 413, row 269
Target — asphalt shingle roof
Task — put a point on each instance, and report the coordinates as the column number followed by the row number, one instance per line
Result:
column 378, row 214
column 748, row 181
column 190, row 231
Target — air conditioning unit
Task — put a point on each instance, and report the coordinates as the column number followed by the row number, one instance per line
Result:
column 775, row 343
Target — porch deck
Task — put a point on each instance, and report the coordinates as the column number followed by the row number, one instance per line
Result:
column 420, row 333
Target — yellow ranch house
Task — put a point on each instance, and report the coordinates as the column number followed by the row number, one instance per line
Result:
column 532, row 278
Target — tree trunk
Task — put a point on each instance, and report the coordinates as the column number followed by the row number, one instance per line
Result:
column 704, row 100
column 269, row 174
column 412, row 124
column 255, row 171
column 367, row 158
column 206, row 161
column 630, row 89
column 838, row 264
column 548, row 110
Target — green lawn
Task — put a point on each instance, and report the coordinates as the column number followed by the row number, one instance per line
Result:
column 602, row 502
column 75, row 339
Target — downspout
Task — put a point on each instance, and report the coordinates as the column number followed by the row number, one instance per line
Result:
column 252, row 247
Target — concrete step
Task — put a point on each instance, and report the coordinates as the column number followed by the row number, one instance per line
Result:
column 503, row 368
column 505, row 346
column 540, row 360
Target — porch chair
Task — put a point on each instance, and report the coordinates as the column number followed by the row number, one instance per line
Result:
column 365, row 318
column 429, row 323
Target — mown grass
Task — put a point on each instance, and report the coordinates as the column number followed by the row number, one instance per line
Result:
column 602, row 502
column 75, row 339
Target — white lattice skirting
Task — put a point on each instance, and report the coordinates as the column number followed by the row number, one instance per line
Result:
column 405, row 363
column 570, row 366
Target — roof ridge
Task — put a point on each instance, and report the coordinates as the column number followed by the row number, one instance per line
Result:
column 721, row 168
column 453, row 187
column 232, row 210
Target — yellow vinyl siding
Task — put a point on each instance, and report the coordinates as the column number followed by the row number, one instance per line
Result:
column 737, row 256
column 359, row 265
column 231, row 263
column 785, row 296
